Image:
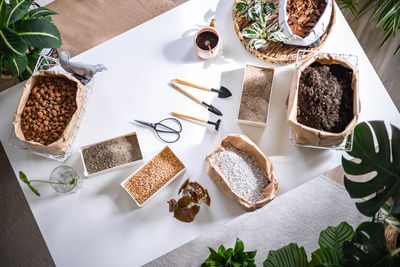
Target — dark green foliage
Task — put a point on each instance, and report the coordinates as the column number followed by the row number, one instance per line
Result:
column 386, row 14
column 230, row 257
column 368, row 248
column 24, row 33
column 385, row 162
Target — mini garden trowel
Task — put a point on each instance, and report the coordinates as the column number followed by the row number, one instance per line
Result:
column 210, row 107
column 215, row 123
column 223, row 92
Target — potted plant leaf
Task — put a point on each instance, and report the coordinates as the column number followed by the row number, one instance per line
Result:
column 24, row 32
column 382, row 191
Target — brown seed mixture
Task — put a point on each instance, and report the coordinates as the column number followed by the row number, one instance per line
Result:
column 325, row 97
column 256, row 94
column 303, row 15
column 152, row 176
column 48, row 110
column 111, row 153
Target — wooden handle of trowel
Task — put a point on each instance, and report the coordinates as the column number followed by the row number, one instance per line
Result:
column 187, row 116
column 183, row 91
column 192, row 84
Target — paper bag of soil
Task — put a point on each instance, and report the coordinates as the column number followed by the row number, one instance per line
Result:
column 307, row 28
column 243, row 143
column 311, row 136
column 60, row 146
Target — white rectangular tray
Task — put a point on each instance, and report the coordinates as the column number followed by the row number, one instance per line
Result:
column 161, row 188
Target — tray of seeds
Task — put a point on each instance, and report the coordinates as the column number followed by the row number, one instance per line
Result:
column 256, row 94
column 153, row 176
column 239, row 168
column 107, row 155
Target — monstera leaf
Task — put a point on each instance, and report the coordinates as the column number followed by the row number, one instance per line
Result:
column 368, row 248
column 384, row 161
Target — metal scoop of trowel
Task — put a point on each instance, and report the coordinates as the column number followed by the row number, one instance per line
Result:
column 216, row 123
column 82, row 71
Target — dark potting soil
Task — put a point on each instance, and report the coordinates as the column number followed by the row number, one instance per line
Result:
column 203, row 37
column 325, row 97
column 111, row 153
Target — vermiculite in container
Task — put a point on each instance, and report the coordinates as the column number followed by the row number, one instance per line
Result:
column 242, row 173
column 256, row 93
column 116, row 152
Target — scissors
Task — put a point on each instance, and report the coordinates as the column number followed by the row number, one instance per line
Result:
column 168, row 130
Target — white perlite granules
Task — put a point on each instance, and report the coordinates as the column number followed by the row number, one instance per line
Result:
column 242, row 173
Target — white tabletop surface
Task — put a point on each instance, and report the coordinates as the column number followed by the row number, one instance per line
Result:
column 100, row 225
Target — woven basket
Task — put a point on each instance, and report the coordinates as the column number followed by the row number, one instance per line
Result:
column 275, row 52
column 391, row 235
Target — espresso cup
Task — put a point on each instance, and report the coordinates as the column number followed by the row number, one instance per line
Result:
column 205, row 39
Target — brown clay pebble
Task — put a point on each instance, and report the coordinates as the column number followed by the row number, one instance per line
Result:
column 325, row 97
column 256, row 94
column 303, row 15
column 152, row 176
column 111, row 153
column 36, row 118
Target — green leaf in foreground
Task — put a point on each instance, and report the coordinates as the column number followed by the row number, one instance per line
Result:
column 326, row 257
column 287, row 256
column 368, row 248
column 385, row 162
column 24, row 179
column 334, row 237
column 15, row 64
column 39, row 33
column 230, row 257
column 41, row 12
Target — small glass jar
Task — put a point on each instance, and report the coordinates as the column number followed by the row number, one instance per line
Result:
column 68, row 180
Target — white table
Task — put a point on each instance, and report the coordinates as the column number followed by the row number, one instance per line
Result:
column 100, row 225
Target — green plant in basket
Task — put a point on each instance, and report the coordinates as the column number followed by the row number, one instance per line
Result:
column 24, row 32
column 259, row 12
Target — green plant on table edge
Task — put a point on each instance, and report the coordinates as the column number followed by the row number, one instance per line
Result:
column 340, row 245
column 24, row 179
column 24, row 32
column 386, row 15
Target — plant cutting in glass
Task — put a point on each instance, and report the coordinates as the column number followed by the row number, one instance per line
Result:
column 386, row 14
column 23, row 35
column 24, row 179
column 261, row 13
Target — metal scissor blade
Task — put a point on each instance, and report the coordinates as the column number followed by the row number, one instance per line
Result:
column 149, row 124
